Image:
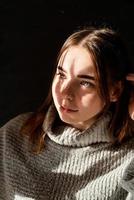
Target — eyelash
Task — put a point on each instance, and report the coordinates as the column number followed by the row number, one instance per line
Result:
column 61, row 75
column 86, row 84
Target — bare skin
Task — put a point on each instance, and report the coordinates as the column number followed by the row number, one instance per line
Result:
column 130, row 78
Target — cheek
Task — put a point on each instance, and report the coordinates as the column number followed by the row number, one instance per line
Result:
column 55, row 90
column 91, row 100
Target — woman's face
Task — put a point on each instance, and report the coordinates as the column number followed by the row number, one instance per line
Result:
column 74, row 88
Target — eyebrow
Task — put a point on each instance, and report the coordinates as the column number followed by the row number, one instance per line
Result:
column 86, row 77
column 60, row 68
column 80, row 75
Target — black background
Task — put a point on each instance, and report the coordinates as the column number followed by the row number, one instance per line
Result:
column 31, row 34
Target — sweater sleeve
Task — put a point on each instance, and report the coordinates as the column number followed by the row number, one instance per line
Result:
column 127, row 181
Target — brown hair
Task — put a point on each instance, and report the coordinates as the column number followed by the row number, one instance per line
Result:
column 111, row 62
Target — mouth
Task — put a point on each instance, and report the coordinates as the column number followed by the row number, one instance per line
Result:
column 68, row 109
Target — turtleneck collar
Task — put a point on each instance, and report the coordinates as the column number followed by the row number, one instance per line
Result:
column 69, row 136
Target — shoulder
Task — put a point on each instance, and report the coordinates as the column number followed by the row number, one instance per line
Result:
column 15, row 123
column 11, row 138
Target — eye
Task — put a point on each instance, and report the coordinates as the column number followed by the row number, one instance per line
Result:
column 61, row 75
column 86, row 84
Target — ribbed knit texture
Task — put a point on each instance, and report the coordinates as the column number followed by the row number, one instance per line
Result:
column 127, row 180
column 73, row 165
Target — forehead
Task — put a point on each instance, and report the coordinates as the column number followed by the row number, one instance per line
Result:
column 78, row 60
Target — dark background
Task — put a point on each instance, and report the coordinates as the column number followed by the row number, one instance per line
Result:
column 31, row 34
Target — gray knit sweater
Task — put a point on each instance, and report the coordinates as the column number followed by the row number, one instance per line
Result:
column 73, row 165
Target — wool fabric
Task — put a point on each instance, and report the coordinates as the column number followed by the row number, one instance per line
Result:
column 74, row 164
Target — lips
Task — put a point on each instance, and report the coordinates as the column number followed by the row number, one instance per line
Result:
column 68, row 109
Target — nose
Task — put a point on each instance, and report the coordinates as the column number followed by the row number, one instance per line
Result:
column 67, row 90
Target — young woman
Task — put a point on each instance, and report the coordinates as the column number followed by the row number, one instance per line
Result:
column 77, row 145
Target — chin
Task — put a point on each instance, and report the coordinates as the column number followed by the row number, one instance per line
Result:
column 66, row 119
